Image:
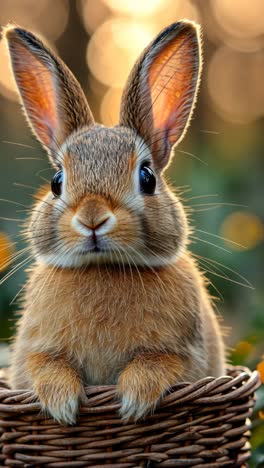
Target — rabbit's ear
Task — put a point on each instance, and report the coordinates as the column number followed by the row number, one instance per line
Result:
column 161, row 90
column 53, row 100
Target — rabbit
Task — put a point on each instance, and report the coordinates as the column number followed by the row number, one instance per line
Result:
column 114, row 296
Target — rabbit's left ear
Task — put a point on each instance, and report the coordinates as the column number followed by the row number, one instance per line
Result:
column 52, row 98
column 161, row 90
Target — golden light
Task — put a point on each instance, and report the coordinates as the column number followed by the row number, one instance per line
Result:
column 172, row 11
column 235, row 85
column 110, row 105
column 48, row 17
column 160, row 12
column 114, row 47
column 243, row 228
column 135, row 7
column 6, row 249
column 7, row 83
column 92, row 14
column 238, row 24
column 239, row 18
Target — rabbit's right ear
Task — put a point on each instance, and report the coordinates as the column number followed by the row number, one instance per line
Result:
column 52, row 98
column 161, row 90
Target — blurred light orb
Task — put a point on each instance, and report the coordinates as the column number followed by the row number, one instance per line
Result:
column 6, row 249
column 235, row 85
column 135, row 7
column 159, row 12
column 92, row 13
column 110, row 106
column 48, row 17
column 32, row 15
column 7, row 82
column 240, row 18
column 114, row 48
column 173, row 11
column 244, row 228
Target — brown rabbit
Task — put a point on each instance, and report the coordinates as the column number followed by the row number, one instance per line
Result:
column 114, row 296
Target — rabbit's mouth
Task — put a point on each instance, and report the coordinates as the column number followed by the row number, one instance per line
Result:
column 92, row 245
column 94, row 249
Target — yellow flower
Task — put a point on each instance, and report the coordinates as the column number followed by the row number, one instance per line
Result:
column 243, row 348
column 245, row 230
column 260, row 368
column 6, row 249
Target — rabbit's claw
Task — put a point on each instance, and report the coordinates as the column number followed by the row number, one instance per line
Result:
column 61, row 403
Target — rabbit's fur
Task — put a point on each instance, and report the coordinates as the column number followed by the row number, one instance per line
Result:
column 114, row 297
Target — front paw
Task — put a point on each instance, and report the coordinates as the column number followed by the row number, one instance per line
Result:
column 60, row 402
column 138, row 398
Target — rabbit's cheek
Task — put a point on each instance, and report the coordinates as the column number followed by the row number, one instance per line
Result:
column 127, row 230
column 65, row 230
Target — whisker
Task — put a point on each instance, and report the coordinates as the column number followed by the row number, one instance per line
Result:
column 18, row 144
column 210, row 131
column 10, row 219
column 18, row 184
column 15, row 269
column 210, row 243
column 29, row 159
column 17, row 294
column 193, row 156
column 215, row 264
column 220, row 237
column 13, row 202
column 202, row 196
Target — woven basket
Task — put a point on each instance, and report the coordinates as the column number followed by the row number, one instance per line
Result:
column 204, row 424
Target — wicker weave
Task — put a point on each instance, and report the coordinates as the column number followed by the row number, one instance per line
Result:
column 204, row 424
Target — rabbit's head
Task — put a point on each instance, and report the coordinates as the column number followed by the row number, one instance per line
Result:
column 109, row 202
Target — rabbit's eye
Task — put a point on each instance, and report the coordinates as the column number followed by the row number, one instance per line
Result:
column 147, row 180
column 56, row 183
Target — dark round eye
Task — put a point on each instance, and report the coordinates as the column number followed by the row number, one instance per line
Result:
column 147, row 180
column 56, row 183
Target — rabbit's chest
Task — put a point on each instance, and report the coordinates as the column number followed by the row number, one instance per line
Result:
column 102, row 320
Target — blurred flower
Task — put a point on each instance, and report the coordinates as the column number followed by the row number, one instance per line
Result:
column 243, row 228
column 243, row 349
column 6, row 249
column 260, row 369
column 261, row 414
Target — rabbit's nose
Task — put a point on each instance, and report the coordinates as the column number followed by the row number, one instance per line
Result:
column 96, row 225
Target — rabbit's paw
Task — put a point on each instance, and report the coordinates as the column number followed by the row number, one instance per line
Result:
column 61, row 402
column 138, row 398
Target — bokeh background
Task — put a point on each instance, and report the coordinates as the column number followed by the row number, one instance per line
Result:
column 219, row 164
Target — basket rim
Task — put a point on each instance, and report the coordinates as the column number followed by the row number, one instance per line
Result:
column 239, row 383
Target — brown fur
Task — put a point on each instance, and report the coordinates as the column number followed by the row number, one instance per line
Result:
column 136, row 314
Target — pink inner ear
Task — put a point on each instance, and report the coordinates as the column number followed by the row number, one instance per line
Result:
column 37, row 89
column 172, row 86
